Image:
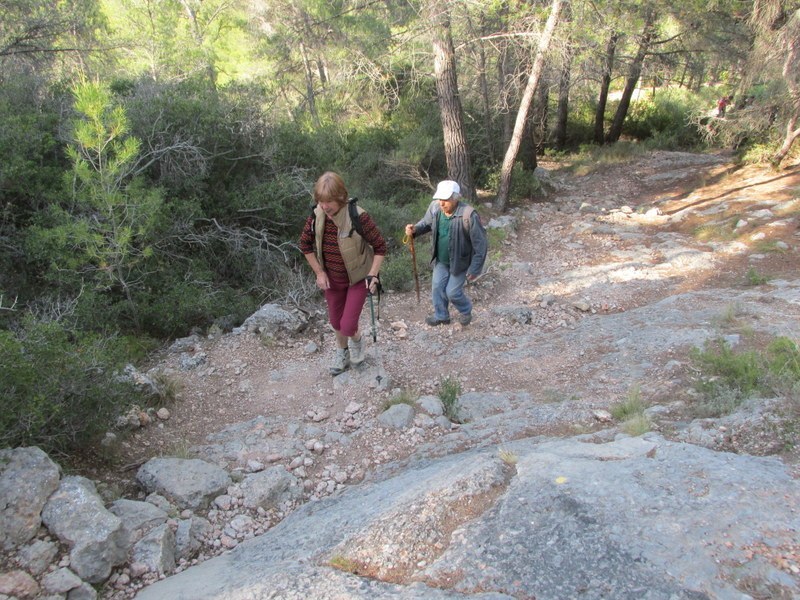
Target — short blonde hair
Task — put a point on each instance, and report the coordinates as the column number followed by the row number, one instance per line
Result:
column 330, row 188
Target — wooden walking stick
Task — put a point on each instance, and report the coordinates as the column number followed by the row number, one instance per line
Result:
column 409, row 241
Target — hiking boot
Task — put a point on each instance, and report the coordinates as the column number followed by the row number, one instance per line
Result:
column 357, row 354
column 465, row 319
column 341, row 362
column 433, row 321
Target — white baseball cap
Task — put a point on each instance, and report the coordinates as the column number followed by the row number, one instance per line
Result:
column 446, row 189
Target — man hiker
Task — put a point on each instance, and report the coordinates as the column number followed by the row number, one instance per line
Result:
column 459, row 251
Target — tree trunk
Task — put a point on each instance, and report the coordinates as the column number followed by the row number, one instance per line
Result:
column 539, row 113
column 527, row 97
column 450, row 109
column 792, row 133
column 504, row 71
column 487, row 111
column 562, row 112
column 310, row 95
column 605, row 84
column 633, row 78
column 199, row 39
column 791, row 75
column 483, row 84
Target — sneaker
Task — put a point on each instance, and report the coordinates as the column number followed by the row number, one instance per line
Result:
column 465, row 319
column 357, row 355
column 341, row 361
column 433, row 321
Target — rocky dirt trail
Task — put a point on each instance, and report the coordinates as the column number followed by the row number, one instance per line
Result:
column 602, row 244
column 583, row 302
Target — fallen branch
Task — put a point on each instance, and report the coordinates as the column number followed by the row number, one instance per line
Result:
column 8, row 308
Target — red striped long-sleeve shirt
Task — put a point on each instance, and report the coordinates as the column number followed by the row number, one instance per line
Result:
column 334, row 265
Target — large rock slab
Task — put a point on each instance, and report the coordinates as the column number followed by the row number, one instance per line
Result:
column 96, row 538
column 188, row 482
column 631, row 518
column 273, row 320
column 27, row 478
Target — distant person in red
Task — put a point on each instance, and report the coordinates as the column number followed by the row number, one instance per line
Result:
column 722, row 104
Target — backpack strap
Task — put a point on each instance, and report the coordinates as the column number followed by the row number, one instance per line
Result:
column 467, row 216
column 355, row 217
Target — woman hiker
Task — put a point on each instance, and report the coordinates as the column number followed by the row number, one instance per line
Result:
column 346, row 257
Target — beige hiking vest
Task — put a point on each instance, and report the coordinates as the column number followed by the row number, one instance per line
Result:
column 357, row 254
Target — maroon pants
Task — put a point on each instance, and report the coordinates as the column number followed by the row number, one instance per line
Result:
column 345, row 303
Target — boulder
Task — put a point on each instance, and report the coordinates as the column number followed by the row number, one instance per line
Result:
column 398, row 416
column 27, row 478
column 37, row 556
column 156, row 550
column 431, row 405
column 137, row 518
column 188, row 482
column 268, row 488
column 96, row 539
column 272, row 320
column 18, row 584
column 60, row 581
column 189, row 536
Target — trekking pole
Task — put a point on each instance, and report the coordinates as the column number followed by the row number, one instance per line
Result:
column 372, row 314
column 378, row 376
column 372, row 305
column 408, row 240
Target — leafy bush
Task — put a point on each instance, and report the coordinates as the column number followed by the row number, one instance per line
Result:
column 753, row 277
column 180, row 305
column 397, row 272
column 630, row 412
column 60, row 386
column 449, row 391
column 664, row 118
column 524, row 184
column 739, row 371
column 784, row 359
column 632, row 406
column 637, row 425
column 727, row 378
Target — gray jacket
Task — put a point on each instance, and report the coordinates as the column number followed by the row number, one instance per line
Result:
column 468, row 245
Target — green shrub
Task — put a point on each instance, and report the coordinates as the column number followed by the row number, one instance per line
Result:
column 60, row 387
column 449, row 391
column 404, row 397
column 390, row 218
column 632, row 406
column 181, row 305
column 630, row 412
column 524, row 184
column 727, row 378
column 753, row 277
column 397, row 272
column 636, row 425
column 737, row 371
column 784, row 359
column 663, row 119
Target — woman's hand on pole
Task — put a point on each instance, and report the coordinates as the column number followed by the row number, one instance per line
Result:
column 322, row 280
column 372, row 283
